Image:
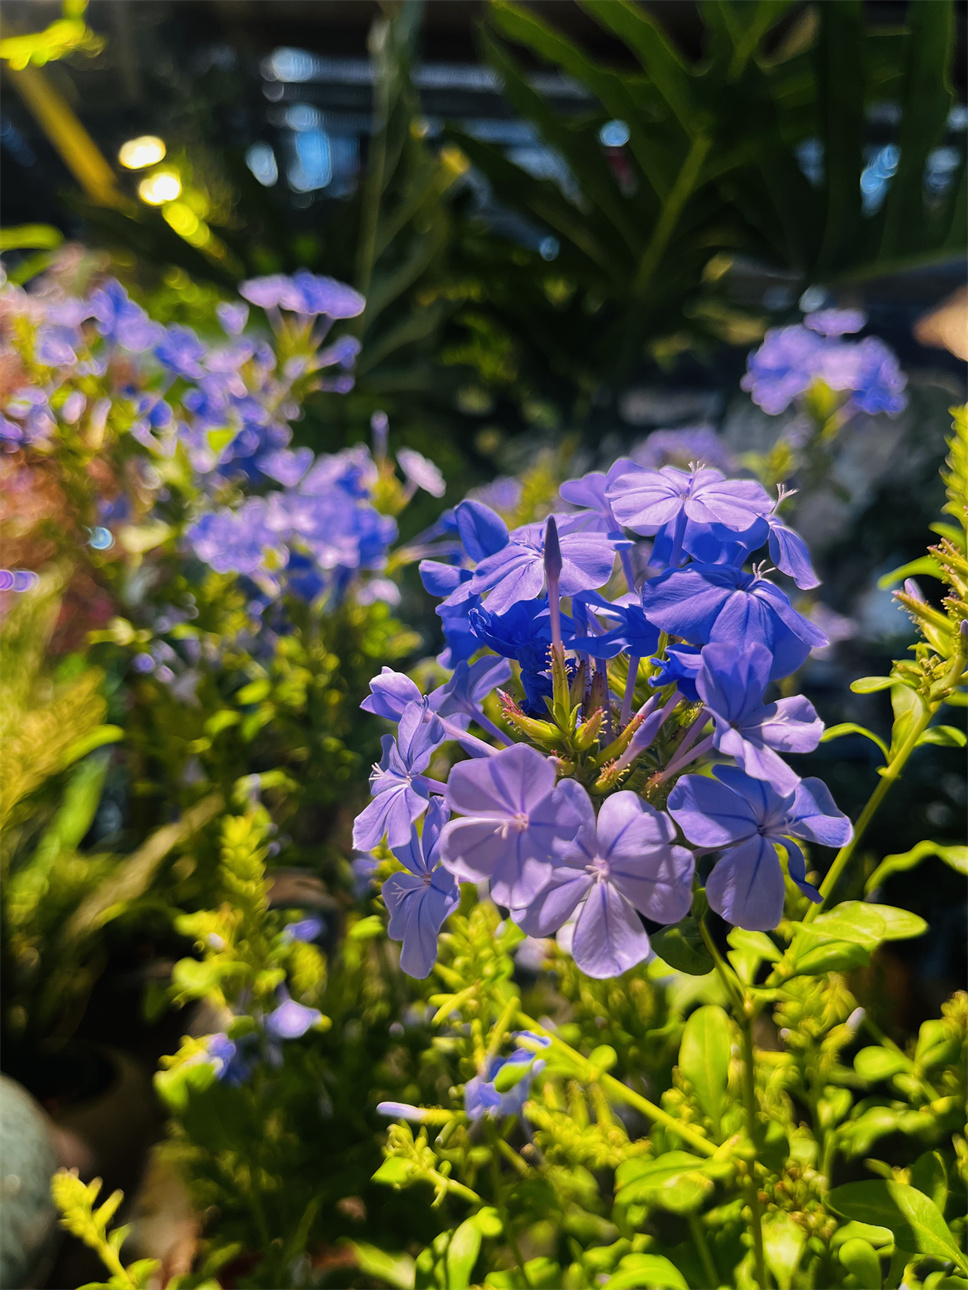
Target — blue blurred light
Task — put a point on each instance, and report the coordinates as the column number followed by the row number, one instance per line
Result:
column 548, row 248
column 313, row 166
column 293, row 65
column 101, row 539
column 303, row 116
column 876, row 176
column 261, row 160
column 614, row 134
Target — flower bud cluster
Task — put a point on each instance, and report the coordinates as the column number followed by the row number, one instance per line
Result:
column 580, row 810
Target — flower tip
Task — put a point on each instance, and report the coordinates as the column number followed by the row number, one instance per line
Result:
column 400, row 1111
column 552, row 551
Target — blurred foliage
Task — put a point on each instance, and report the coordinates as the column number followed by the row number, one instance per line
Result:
column 646, row 231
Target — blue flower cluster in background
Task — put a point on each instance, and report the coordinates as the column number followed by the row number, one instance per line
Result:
column 211, row 419
column 634, row 662
column 865, row 374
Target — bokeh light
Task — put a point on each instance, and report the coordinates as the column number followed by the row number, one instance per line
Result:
column 146, row 150
column 162, row 186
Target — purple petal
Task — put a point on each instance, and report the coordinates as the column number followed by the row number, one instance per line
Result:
column 746, row 886
column 508, row 784
column 481, row 530
column 555, row 903
column 817, row 817
column 789, row 553
column 709, row 813
column 609, row 938
column 390, row 692
column 291, row 1020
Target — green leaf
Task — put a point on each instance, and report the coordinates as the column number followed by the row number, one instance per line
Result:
column 873, row 1064
column 908, row 711
column 879, row 1238
column 645, row 1271
column 394, row 1172
column 944, row 736
column 704, row 1057
column 899, row 924
column 95, row 738
column 914, row 1218
column 674, row 1181
column 929, row 1175
column 783, row 1242
column 839, row 71
column 32, row 237
column 868, row 684
column 462, row 1251
column 220, row 721
column 852, row 728
column 489, row 1221
column 954, row 855
column 510, row 1075
column 138, row 538
column 814, row 957
column 366, row 928
column 926, row 101
column 254, row 692
column 860, row 1259
column 659, row 58
column 924, row 564
column 681, row 946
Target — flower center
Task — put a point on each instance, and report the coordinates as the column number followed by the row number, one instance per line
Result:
column 598, row 869
column 516, row 823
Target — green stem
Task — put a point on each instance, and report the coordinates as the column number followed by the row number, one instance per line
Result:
column 888, row 777
column 746, row 1010
column 726, row 973
column 753, row 1130
column 705, row 1256
column 621, row 1091
column 501, row 1207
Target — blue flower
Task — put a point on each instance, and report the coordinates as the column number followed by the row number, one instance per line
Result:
column 681, row 665
column 470, row 685
column 304, row 293
column 523, row 632
column 633, row 634
column 481, row 1094
column 731, row 682
column 713, row 602
column 782, row 368
column 422, row 898
column 747, row 816
column 517, row 571
column 181, row 352
column 648, row 500
column 121, row 321
column 400, row 791
column 291, row 1020
column 232, row 1066
column 616, row 867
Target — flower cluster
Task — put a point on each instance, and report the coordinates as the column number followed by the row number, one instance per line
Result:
column 792, row 360
column 156, row 412
column 577, row 808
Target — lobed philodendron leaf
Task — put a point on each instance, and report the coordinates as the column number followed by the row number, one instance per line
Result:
column 913, row 1217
